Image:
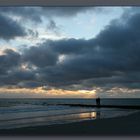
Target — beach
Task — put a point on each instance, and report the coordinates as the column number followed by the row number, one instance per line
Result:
column 70, row 117
column 118, row 126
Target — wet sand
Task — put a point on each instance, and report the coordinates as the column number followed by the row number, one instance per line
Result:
column 122, row 126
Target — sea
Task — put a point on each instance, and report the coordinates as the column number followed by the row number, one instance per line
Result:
column 18, row 113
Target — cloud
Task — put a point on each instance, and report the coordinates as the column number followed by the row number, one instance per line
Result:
column 66, row 11
column 10, row 29
column 52, row 27
column 40, row 56
column 109, row 60
column 25, row 13
column 33, row 33
column 8, row 60
column 36, row 13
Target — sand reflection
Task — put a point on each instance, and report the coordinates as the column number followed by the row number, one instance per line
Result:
column 48, row 120
column 90, row 115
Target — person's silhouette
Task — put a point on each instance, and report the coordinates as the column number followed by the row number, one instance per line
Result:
column 98, row 114
column 98, row 101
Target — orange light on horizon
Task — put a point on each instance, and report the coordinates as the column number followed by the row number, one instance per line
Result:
column 51, row 93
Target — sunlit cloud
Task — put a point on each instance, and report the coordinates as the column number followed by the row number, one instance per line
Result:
column 40, row 92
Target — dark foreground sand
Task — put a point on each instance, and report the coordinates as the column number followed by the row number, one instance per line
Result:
column 122, row 126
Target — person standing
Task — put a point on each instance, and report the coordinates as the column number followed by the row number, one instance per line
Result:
column 98, row 102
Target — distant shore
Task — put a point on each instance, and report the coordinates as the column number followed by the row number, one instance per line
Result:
column 121, row 126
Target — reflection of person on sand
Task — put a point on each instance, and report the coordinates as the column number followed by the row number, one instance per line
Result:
column 98, row 114
column 98, row 102
column 98, row 105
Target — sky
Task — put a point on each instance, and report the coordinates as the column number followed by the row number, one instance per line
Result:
column 69, row 52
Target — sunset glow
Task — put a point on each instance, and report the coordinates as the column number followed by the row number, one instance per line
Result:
column 52, row 93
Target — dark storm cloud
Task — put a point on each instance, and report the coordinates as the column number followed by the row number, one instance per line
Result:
column 120, row 42
column 9, row 29
column 78, row 65
column 113, row 53
column 8, row 60
column 111, row 59
column 27, row 13
column 29, row 84
column 36, row 13
column 10, row 71
column 22, row 75
column 127, row 80
column 66, row 11
column 15, row 77
column 68, row 46
column 40, row 56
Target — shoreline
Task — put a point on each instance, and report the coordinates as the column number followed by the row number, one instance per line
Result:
column 120, row 126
